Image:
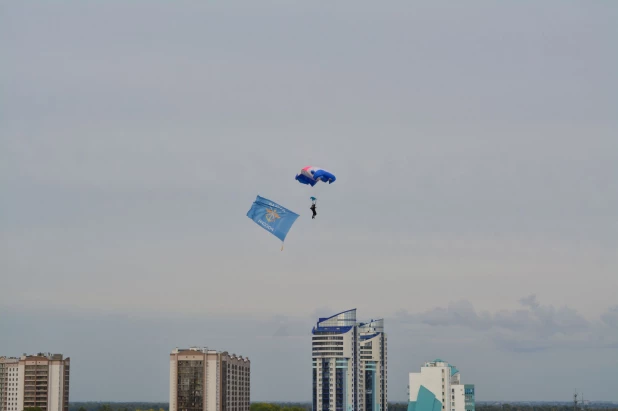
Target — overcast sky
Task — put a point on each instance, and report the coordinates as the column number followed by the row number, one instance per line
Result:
column 475, row 209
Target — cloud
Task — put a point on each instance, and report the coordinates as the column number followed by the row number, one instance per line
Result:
column 533, row 327
column 458, row 313
column 530, row 301
column 610, row 318
column 281, row 326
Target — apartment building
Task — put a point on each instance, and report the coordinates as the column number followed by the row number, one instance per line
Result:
column 209, row 380
column 438, row 387
column 349, row 364
column 40, row 380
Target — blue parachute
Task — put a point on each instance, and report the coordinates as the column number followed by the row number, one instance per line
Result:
column 311, row 176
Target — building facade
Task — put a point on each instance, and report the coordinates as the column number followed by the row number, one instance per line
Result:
column 40, row 380
column 349, row 364
column 9, row 375
column 209, row 380
column 438, row 387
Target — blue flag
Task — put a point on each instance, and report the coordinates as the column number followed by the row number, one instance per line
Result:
column 272, row 217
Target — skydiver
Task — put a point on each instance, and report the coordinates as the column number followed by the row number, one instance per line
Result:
column 312, row 208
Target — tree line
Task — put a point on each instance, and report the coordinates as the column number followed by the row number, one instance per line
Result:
column 524, row 407
column 117, row 406
column 301, row 406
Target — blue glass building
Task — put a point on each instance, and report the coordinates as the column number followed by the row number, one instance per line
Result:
column 349, row 364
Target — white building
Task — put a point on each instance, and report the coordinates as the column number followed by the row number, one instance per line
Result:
column 349, row 364
column 373, row 360
column 40, row 380
column 9, row 383
column 438, row 388
column 209, row 380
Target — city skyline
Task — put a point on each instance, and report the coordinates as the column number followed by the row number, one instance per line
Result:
column 475, row 207
column 281, row 335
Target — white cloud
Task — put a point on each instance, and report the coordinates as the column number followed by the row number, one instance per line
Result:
column 534, row 327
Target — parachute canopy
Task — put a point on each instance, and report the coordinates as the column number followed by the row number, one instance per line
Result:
column 311, row 176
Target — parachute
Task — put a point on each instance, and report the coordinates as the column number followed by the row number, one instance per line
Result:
column 311, row 176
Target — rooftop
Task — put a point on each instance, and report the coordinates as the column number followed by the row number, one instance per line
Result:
column 441, row 363
column 205, row 350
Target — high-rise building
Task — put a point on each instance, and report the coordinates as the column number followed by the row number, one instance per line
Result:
column 349, row 364
column 8, row 382
column 438, row 387
column 209, row 380
column 40, row 380
column 374, row 364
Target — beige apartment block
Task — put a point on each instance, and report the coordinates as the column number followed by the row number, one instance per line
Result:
column 40, row 380
column 209, row 380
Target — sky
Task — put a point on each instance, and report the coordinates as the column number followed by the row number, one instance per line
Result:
column 475, row 207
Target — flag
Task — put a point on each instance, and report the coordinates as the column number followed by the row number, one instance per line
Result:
column 272, row 217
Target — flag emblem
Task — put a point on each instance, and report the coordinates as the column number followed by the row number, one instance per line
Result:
column 271, row 215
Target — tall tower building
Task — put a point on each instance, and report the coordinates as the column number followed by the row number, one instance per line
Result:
column 208, row 380
column 40, row 380
column 438, row 387
column 349, row 364
column 373, row 364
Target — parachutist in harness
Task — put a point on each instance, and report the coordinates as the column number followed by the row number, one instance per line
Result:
column 312, row 208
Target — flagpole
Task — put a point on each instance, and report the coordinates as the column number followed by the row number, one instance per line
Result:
column 282, row 246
